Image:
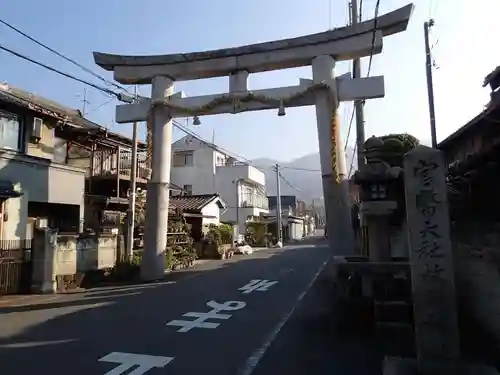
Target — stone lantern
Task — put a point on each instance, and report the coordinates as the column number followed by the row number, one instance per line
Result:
column 379, row 187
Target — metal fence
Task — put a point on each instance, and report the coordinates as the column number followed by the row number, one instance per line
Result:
column 15, row 266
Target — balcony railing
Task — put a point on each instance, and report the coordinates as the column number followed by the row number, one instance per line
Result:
column 107, row 163
column 254, row 200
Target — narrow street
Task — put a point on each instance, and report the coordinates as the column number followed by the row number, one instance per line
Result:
column 94, row 332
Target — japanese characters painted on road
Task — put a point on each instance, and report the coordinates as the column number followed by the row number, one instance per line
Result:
column 436, row 324
column 257, row 285
column 201, row 317
column 127, row 361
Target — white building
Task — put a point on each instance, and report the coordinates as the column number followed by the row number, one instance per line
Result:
column 201, row 168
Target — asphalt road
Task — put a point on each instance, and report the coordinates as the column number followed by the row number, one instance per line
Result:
column 124, row 330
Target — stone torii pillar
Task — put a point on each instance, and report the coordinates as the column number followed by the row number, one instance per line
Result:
column 157, row 194
column 333, row 164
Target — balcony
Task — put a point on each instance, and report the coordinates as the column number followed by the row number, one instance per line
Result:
column 241, row 171
column 107, row 164
column 253, row 200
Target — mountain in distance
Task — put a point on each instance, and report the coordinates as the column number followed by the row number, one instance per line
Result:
column 302, row 174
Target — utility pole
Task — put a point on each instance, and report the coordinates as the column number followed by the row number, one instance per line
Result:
column 237, row 185
column 358, row 104
column 278, row 204
column 430, row 87
column 133, row 183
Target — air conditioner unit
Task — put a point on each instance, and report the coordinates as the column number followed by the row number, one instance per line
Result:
column 41, row 223
column 36, row 132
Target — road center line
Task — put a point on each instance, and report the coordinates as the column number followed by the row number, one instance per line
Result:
column 254, row 359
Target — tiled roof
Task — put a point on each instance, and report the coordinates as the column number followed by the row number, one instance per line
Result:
column 45, row 106
column 192, row 202
column 50, row 108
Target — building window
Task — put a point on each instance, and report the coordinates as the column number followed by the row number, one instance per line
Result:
column 188, row 189
column 220, row 161
column 183, row 159
column 10, row 131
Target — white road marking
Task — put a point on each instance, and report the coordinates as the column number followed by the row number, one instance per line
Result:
column 200, row 322
column 257, row 285
column 254, row 359
column 129, row 360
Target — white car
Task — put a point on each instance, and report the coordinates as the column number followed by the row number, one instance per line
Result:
column 244, row 249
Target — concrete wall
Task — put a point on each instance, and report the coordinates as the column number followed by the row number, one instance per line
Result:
column 211, row 210
column 61, row 255
column 50, row 146
column 242, row 172
column 84, row 253
column 209, row 175
column 201, row 175
column 296, row 229
column 40, row 181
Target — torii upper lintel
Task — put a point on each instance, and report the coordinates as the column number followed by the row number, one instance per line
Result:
column 343, row 43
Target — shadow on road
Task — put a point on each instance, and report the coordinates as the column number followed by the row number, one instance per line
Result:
column 40, row 333
column 312, row 342
column 69, row 333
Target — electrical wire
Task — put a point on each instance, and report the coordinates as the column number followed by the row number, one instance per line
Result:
column 240, row 158
column 102, row 105
column 117, row 95
column 109, row 83
column 301, row 169
column 352, row 161
column 375, row 22
column 67, row 75
column 213, row 146
column 288, row 183
column 349, row 129
column 120, row 97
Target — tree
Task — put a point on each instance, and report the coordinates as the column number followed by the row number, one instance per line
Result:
column 408, row 141
column 140, row 208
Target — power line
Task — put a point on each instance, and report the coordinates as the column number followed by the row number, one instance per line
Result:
column 120, row 96
column 101, row 105
column 218, row 148
column 352, row 161
column 109, row 83
column 349, row 129
column 213, row 146
column 301, row 169
column 288, row 183
column 57, row 71
column 375, row 22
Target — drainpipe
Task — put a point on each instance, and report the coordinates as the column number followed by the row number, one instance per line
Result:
column 237, row 184
column 2, row 206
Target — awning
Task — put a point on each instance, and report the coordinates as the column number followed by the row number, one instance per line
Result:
column 7, row 190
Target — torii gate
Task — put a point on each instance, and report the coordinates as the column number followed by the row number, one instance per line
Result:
column 324, row 91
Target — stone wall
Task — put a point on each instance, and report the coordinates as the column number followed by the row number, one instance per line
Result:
column 60, row 255
column 82, row 252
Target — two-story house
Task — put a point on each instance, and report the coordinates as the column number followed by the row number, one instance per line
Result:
column 39, row 185
column 203, row 168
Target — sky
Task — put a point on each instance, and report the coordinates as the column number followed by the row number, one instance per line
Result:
column 461, row 40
